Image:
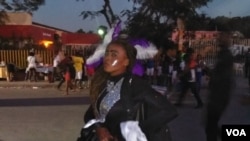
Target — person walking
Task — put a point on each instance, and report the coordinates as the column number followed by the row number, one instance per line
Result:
column 31, row 69
column 199, row 71
column 168, row 66
column 188, row 78
column 78, row 64
column 68, row 75
column 220, row 87
column 247, row 66
column 56, row 61
column 66, row 66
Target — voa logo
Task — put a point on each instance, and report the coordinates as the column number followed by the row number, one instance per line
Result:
column 236, row 132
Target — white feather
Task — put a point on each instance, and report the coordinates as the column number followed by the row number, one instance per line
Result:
column 100, row 50
column 146, row 52
column 98, row 54
column 142, row 52
column 108, row 37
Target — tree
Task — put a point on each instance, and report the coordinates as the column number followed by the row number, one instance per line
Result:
column 80, row 31
column 106, row 11
column 164, row 12
column 241, row 24
column 18, row 5
column 90, row 32
column 200, row 22
column 151, row 17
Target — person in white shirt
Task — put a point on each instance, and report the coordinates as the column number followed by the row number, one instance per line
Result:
column 31, row 69
column 56, row 61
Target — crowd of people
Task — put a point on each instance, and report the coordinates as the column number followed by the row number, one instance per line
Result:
column 73, row 71
column 178, row 71
column 125, row 105
column 117, row 95
column 69, row 69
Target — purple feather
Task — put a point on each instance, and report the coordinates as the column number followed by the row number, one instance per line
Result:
column 142, row 42
column 95, row 64
column 117, row 30
column 138, row 68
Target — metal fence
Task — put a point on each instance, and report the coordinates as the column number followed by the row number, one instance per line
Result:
column 19, row 57
column 209, row 49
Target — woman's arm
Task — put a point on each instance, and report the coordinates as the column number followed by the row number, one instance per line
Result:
column 89, row 114
column 158, row 110
column 101, row 131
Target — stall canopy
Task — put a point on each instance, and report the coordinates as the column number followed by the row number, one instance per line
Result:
column 37, row 34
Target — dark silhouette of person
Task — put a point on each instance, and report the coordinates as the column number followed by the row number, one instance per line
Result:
column 220, row 87
column 247, row 66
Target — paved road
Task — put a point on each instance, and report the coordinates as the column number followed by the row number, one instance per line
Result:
column 40, row 114
column 28, row 114
column 189, row 125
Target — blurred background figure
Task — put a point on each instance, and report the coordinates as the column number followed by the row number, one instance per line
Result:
column 188, row 79
column 78, row 64
column 69, row 75
column 150, row 70
column 84, row 80
column 56, row 61
column 66, row 65
column 11, row 70
column 31, row 69
column 220, row 87
column 168, row 65
column 199, row 70
column 247, row 66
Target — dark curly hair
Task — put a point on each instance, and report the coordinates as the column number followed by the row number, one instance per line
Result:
column 99, row 79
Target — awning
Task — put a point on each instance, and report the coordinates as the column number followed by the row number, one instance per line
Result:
column 25, row 32
column 80, row 39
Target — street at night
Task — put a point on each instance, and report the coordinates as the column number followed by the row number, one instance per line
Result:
column 46, row 114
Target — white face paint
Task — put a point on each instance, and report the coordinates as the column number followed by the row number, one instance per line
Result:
column 114, row 63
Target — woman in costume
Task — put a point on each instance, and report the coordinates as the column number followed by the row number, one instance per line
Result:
column 117, row 96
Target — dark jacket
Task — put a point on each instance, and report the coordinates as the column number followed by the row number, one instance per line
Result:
column 221, row 81
column 166, row 64
column 158, row 110
column 247, row 58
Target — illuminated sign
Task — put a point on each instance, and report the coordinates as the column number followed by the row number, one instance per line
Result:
column 47, row 34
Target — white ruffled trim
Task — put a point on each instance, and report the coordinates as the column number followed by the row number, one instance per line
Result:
column 92, row 122
column 132, row 132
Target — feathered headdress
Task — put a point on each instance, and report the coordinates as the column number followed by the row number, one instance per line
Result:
column 145, row 49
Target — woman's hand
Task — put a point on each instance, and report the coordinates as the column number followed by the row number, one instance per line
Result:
column 103, row 134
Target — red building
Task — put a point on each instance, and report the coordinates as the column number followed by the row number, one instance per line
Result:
column 195, row 35
column 20, row 30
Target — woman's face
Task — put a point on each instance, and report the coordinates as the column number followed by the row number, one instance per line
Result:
column 115, row 60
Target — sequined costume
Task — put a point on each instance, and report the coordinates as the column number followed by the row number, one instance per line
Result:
column 128, row 91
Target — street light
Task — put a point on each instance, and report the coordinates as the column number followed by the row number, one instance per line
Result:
column 102, row 30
